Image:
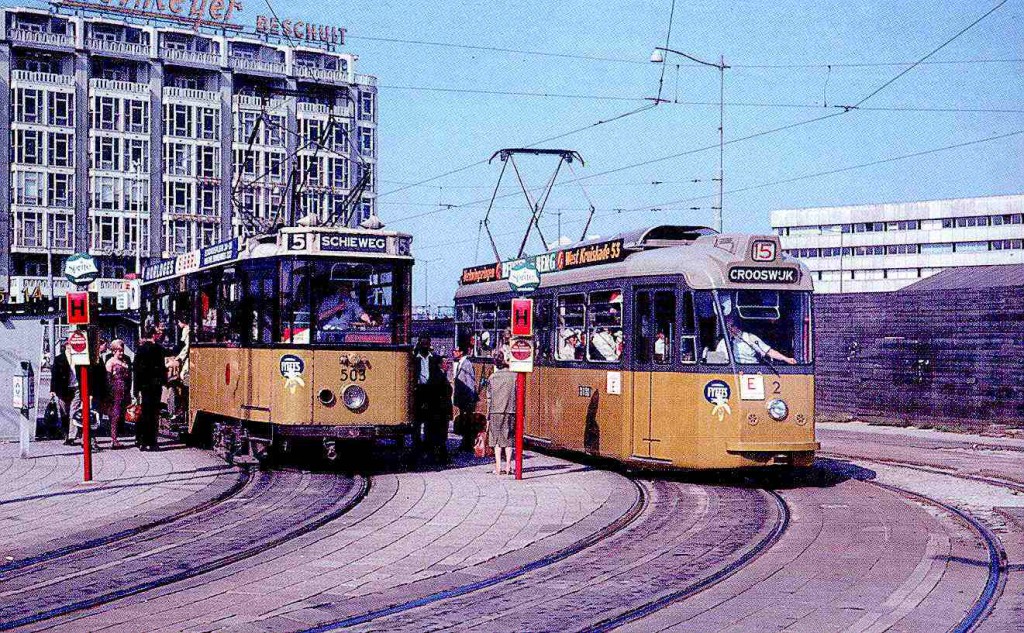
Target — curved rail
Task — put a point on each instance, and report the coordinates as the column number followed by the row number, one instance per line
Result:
column 607, row 531
column 206, row 567
column 985, row 602
column 244, row 479
column 996, row 554
column 636, row 613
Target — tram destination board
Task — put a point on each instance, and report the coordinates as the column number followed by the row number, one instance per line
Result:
column 571, row 258
column 764, row 275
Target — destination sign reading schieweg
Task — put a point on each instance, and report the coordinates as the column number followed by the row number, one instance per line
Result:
column 754, row 275
column 353, row 243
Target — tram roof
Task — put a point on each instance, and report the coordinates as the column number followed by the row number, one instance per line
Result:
column 704, row 258
column 289, row 241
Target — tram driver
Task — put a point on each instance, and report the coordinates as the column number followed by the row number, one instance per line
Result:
column 747, row 348
column 339, row 311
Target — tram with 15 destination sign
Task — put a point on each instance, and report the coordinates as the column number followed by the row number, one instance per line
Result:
column 297, row 338
column 672, row 346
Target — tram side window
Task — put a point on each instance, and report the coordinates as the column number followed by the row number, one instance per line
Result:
column 464, row 323
column 295, row 301
column 604, row 329
column 656, row 327
column 485, row 326
column 207, row 306
column 687, row 332
column 259, row 303
column 542, row 327
column 571, row 316
column 711, row 336
column 232, row 322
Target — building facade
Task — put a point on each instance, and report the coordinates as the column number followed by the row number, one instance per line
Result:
column 884, row 247
column 133, row 141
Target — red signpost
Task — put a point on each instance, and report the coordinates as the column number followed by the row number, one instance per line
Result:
column 78, row 343
column 521, row 349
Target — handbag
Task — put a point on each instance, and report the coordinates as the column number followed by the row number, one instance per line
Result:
column 480, row 447
column 133, row 413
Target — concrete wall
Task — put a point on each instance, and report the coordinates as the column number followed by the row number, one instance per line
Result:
column 922, row 357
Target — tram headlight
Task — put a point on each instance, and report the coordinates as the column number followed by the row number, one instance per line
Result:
column 778, row 410
column 354, row 398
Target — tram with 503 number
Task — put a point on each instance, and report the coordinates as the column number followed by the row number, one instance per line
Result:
column 672, row 346
column 297, row 338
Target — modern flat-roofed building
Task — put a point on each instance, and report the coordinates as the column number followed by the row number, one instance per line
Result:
column 132, row 140
column 882, row 247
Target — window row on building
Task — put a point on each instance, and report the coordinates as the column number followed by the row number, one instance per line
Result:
column 907, row 249
column 903, row 225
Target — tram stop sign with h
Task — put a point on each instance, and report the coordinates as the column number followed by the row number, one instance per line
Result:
column 522, row 317
column 78, row 308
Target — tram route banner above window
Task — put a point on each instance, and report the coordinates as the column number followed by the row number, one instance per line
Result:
column 565, row 259
column 223, row 252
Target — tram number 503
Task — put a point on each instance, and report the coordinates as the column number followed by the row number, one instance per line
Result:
column 353, row 374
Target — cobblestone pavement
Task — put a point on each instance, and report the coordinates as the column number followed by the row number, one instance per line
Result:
column 423, row 530
column 44, row 506
column 1002, row 509
column 272, row 507
column 688, row 532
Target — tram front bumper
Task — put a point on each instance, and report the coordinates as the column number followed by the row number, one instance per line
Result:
column 340, row 432
column 772, row 447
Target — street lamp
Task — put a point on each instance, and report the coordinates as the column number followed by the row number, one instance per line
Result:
column 658, row 57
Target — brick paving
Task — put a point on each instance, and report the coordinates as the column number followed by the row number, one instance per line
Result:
column 44, row 505
column 422, row 530
column 855, row 557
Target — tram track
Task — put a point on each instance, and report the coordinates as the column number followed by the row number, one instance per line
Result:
column 664, row 536
column 270, row 509
column 244, row 478
column 997, row 558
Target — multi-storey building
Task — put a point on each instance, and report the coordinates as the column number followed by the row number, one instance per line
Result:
column 882, row 247
column 132, row 141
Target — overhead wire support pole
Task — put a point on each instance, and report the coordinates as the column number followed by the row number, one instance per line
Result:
column 722, row 67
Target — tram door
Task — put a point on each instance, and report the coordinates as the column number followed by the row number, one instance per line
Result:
column 654, row 330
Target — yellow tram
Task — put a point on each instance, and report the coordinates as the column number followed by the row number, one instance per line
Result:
column 670, row 346
column 297, row 337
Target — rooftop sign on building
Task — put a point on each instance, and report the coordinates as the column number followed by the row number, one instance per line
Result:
column 216, row 14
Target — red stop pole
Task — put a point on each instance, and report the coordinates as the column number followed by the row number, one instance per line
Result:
column 83, row 381
column 520, row 414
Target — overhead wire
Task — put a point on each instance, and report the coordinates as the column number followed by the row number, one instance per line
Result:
column 843, row 110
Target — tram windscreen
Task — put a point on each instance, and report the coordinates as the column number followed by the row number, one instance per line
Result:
column 758, row 320
column 348, row 302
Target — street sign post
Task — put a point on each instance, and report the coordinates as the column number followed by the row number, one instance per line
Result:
column 78, row 344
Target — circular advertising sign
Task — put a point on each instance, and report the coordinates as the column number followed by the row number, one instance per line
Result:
column 521, row 349
column 77, row 342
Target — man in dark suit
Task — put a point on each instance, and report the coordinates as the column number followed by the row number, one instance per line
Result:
column 150, row 378
column 464, row 394
column 63, row 386
column 432, row 401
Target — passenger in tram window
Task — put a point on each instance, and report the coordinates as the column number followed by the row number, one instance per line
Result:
column 602, row 346
column 340, row 311
column 619, row 344
column 567, row 349
column 660, row 348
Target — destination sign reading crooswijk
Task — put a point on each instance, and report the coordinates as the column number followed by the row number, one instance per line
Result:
column 751, row 274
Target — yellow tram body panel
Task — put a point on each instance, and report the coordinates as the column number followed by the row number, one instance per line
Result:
column 264, row 385
column 663, row 418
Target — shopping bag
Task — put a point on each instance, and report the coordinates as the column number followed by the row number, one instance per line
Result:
column 133, row 413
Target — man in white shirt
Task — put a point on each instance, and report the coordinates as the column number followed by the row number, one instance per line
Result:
column 747, row 348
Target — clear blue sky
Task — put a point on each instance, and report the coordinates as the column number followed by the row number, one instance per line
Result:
column 425, row 131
